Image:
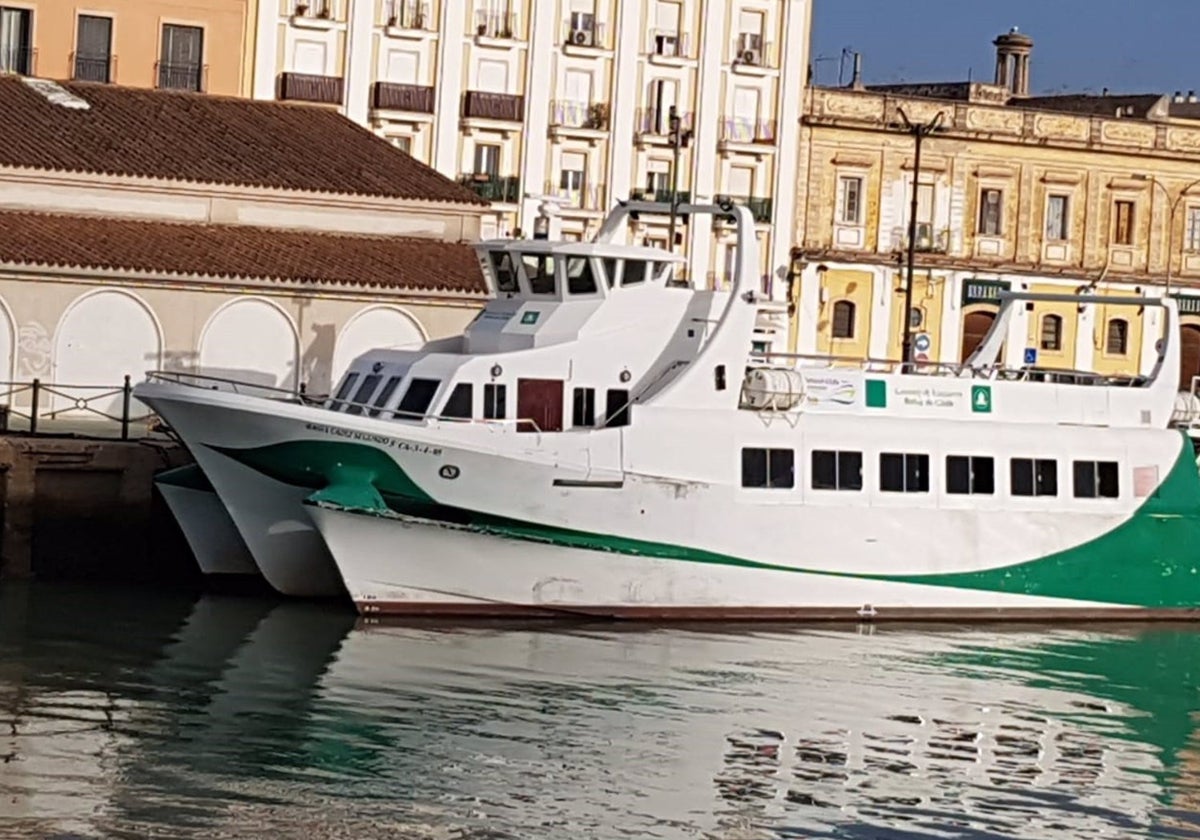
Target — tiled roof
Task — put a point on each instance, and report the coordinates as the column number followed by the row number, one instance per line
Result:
column 1138, row 105
column 238, row 252
column 209, row 139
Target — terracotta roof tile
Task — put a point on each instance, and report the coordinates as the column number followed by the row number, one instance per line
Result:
column 239, row 251
column 210, row 139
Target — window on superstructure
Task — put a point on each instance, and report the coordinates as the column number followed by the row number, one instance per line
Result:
column 583, row 407
column 843, row 319
column 970, row 475
column 991, row 203
column 580, row 280
column 539, row 268
column 1116, row 340
column 1052, row 326
column 495, row 401
column 903, row 472
column 506, row 272
column 389, row 388
column 1033, row 477
column 636, row 271
column 772, row 468
column 343, row 391
column 460, row 402
column 1192, row 234
column 364, row 393
column 851, row 200
column 417, row 398
column 1096, row 480
column 835, row 470
column 1123, row 223
column 616, row 407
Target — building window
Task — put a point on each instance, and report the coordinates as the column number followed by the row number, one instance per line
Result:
column 180, row 66
column 1192, row 238
column 583, row 411
column 495, row 401
column 1096, row 480
column 1116, row 341
column 1057, row 218
column 487, row 159
column 851, row 197
column 363, row 395
column 836, row 470
column 460, row 403
column 843, row 319
column 572, row 178
column 1052, row 332
column 93, row 48
column 970, row 475
column 905, row 472
column 1123, row 223
column 1033, row 477
column 991, row 203
column 658, row 183
column 403, row 142
column 773, row 468
column 16, row 42
column 616, row 407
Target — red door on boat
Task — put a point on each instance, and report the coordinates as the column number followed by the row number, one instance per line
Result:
column 975, row 327
column 1189, row 355
column 540, row 401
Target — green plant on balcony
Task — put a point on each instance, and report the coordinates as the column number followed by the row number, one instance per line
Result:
column 597, row 116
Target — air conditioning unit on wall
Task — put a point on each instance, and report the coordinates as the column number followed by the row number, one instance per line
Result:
column 583, row 29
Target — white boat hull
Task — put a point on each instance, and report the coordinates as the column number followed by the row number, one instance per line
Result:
column 210, row 533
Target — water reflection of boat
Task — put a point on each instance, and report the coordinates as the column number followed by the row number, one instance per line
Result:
column 205, row 523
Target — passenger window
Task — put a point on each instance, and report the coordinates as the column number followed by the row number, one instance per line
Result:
column 460, row 402
column 580, row 280
column 583, row 412
column 970, row 475
column 539, row 268
column 772, row 468
column 1033, row 477
column 1096, row 480
column 611, row 269
column 364, row 392
column 616, row 407
column 389, row 388
column 495, row 402
column 836, row 470
column 506, row 273
column 903, row 472
column 636, row 272
column 343, row 391
column 417, row 398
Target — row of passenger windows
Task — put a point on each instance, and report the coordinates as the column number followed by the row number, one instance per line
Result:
column 908, row 472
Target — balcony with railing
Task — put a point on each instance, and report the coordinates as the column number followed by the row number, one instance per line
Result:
column 753, row 55
column 313, row 14
column 174, row 76
column 498, row 189
column 304, row 87
column 584, row 119
column 930, row 240
column 18, row 59
column 662, row 196
column 668, row 46
column 502, row 107
column 760, row 208
column 747, row 131
column 652, row 123
column 409, row 16
column 588, row 198
column 391, row 96
column 93, row 68
column 582, row 32
column 496, row 26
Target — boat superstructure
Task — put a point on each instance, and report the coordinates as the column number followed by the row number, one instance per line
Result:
column 603, row 441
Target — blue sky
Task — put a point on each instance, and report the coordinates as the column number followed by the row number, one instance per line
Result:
column 1128, row 46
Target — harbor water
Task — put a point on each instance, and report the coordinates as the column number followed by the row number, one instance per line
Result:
column 127, row 712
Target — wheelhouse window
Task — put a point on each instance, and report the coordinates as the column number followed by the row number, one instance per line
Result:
column 364, row 393
column 180, row 67
column 636, row 272
column 460, row 402
column 583, row 407
column 1033, row 477
column 843, row 319
column 1123, row 223
column 1116, row 341
column 903, row 472
column 505, row 272
column 16, row 41
column 418, row 397
column 343, row 391
column 835, row 470
column 539, row 270
column 93, row 48
column 772, row 468
column 495, row 401
column 1096, row 480
column 580, row 279
column 616, row 407
column 385, row 395
column 991, row 203
column 1052, row 327
column 970, row 475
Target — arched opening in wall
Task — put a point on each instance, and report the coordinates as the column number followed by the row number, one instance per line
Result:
column 1189, row 355
column 7, row 344
column 103, row 337
column 250, row 340
column 975, row 326
column 379, row 326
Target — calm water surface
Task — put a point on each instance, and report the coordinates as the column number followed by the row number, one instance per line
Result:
column 132, row 713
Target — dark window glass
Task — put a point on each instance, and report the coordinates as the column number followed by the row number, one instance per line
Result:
column 180, row 65
column 364, row 392
column 580, row 280
column 836, row 470
column 1021, row 476
column 418, row 397
column 990, row 204
column 1096, row 479
column 1045, row 475
column 389, row 388
column 539, row 268
column 970, row 474
column 903, row 472
column 635, row 272
column 16, row 43
column 843, row 319
column 1033, row 477
column 93, row 48
column 495, row 402
column 506, row 275
column 1107, row 482
column 583, row 409
column 850, row 471
column 1117, row 340
column 343, row 391
column 460, row 402
column 958, row 474
column 773, row 468
column 616, row 407
column 1052, row 326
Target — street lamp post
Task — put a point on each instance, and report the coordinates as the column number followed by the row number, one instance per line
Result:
column 1172, row 206
column 919, row 131
column 679, row 140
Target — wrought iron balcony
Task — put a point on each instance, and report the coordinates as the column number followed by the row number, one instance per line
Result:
column 587, row 197
column 760, row 208
column 92, row 68
column 303, row 87
column 570, row 114
column 669, row 43
column 659, row 195
column 405, row 14
column 397, row 97
column 493, row 106
column 747, row 130
column 500, row 189
column 181, row 76
column 657, row 121
column 500, row 25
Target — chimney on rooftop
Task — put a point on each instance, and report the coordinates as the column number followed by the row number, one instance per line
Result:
column 1177, row 97
column 1013, row 50
column 1191, row 96
column 856, row 81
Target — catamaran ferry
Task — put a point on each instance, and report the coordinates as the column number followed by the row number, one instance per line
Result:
column 601, row 441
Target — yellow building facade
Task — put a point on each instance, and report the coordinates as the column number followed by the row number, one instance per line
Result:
column 1039, row 194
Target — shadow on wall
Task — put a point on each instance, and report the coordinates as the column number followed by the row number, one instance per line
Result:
column 316, row 364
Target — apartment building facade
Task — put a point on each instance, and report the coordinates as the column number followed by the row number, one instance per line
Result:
column 1043, row 194
column 193, row 45
column 553, row 109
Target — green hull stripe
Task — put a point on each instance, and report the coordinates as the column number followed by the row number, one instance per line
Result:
column 1150, row 560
